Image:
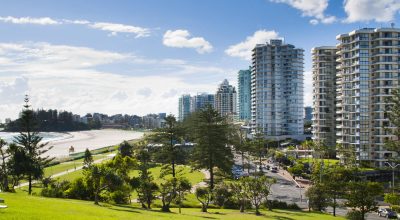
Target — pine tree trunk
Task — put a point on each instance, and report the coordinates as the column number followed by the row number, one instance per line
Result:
column 96, row 197
column 241, row 206
column 257, row 210
column 242, row 161
column 204, row 208
column 30, row 184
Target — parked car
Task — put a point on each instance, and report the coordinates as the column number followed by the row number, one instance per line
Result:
column 391, row 214
column 379, row 210
column 274, row 169
column 386, row 212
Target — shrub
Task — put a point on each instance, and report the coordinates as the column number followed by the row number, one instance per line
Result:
column 293, row 206
column 395, row 208
column 56, row 189
column 354, row 215
column 79, row 190
column 120, row 197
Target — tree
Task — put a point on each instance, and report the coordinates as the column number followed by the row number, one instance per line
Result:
column 335, row 181
column 87, row 159
column 203, row 195
column 145, row 186
column 17, row 164
column 212, row 135
column 392, row 112
column 392, row 198
column 167, row 193
column 240, row 143
column 4, row 171
column 297, row 169
column 102, row 177
column 361, row 196
column 318, row 198
column 257, row 190
column 126, row 149
column 239, row 193
column 170, row 136
column 221, row 194
column 258, row 147
column 32, row 144
column 183, row 185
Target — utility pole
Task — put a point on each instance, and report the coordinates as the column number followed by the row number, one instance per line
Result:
column 393, row 166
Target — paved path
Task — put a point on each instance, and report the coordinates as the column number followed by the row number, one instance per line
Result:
column 203, row 183
column 68, row 171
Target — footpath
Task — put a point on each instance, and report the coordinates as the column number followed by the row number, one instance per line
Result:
column 67, row 171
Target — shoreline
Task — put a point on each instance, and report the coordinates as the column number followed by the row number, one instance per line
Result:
column 91, row 139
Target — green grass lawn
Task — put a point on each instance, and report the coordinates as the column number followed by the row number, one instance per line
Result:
column 21, row 206
column 48, row 171
column 194, row 176
column 327, row 162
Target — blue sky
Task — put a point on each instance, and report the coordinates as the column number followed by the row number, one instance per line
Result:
column 137, row 57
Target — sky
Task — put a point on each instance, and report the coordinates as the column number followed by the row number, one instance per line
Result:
column 138, row 57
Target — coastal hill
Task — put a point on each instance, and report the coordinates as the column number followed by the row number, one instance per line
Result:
column 55, row 121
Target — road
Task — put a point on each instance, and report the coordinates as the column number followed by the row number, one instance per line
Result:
column 285, row 190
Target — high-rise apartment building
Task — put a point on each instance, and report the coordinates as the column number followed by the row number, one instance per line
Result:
column 225, row 99
column 324, row 95
column 277, row 90
column 201, row 100
column 244, row 94
column 184, row 107
column 368, row 71
column 308, row 114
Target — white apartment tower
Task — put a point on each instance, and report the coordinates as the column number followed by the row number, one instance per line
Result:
column 368, row 71
column 226, row 99
column 277, row 90
column 324, row 95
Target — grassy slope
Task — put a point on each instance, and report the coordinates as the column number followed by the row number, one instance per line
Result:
column 69, row 165
column 22, row 206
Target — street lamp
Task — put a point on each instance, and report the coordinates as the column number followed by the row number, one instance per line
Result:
column 393, row 166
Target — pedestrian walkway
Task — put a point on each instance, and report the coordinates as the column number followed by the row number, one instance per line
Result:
column 67, row 171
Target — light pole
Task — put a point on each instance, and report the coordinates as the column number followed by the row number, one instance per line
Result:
column 393, row 166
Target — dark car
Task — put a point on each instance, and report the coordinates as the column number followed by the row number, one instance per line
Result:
column 274, row 169
column 391, row 214
column 388, row 213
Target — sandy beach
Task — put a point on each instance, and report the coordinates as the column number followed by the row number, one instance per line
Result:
column 90, row 139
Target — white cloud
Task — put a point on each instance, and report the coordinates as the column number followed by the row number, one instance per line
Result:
column 183, row 39
column 371, row 10
column 67, row 21
column 311, row 8
column 14, row 90
column 115, row 28
column 82, row 80
column 243, row 49
column 29, row 20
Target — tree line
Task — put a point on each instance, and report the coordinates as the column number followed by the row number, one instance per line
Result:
column 53, row 121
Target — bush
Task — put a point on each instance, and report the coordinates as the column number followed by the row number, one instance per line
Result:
column 395, row 208
column 354, row 215
column 79, row 190
column 293, row 206
column 275, row 204
column 56, row 189
column 120, row 197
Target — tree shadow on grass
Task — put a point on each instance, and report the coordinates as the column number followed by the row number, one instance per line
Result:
column 281, row 217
